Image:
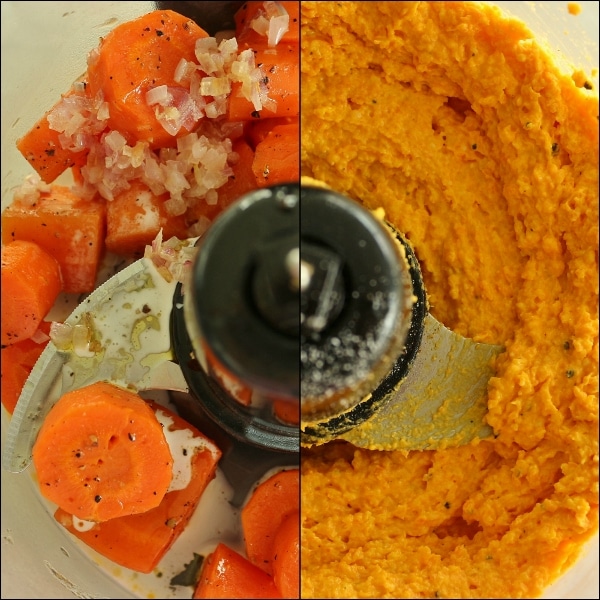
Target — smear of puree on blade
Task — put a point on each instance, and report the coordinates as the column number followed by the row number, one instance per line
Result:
column 454, row 119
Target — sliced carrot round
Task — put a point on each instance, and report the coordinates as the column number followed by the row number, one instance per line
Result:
column 270, row 503
column 227, row 574
column 276, row 157
column 287, row 412
column 16, row 365
column 135, row 57
column 286, row 556
column 101, row 453
column 31, row 282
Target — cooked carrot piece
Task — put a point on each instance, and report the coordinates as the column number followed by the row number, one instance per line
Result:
column 286, row 556
column 241, row 183
column 270, row 503
column 17, row 362
column 101, row 453
column 249, row 11
column 258, row 130
column 280, row 66
column 14, row 376
column 135, row 216
column 277, row 157
column 69, row 228
column 78, row 178
column 140, row 541
column 227, row 574
column 42, row 149
column 135, row 57
column 30, row 283
column 287, row 412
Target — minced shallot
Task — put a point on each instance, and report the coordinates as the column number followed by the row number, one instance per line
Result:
column 77, row 338
column 172, row 258
column 273, row 21
column 28, row 193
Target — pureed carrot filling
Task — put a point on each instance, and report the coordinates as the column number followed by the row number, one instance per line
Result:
column 454, row 120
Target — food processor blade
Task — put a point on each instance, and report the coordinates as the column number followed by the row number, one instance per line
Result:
column 433, row 391
column 441, row 402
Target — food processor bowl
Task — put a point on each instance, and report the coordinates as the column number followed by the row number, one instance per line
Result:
column 44, row 49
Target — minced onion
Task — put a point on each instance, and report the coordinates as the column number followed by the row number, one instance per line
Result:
column 76, row 338
column 273, row 21
column 61, row 335
column 28, row 193
column 172, row 258
column 159, row 95
column 40, row 337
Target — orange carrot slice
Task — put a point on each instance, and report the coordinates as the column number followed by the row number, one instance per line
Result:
column 287, row 412
column 101, row 453
column 42, row 149
column 139, row 542
column 240, row 183
column 135, row 216
column 277, row 157
column 69, row 228
column 227, row 574
column 286, row 557
column 270, row 503
column 258, row 130
column 30, row 283
column 135, row 57
column 17, row 362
